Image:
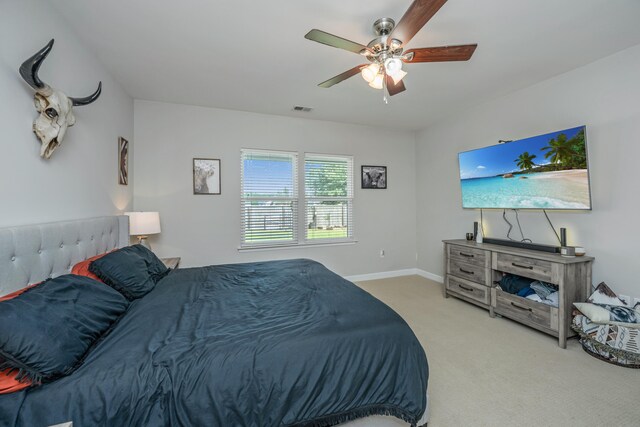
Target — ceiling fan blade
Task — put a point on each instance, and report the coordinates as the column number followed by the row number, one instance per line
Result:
column 335, row 41
column 344, row 76
column 394, row 88
column 418, row 14
column 441, row 54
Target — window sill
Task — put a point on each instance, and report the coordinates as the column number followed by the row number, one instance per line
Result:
column 296, row 245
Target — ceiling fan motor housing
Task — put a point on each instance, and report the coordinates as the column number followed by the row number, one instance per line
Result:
column 381, row 45
column 383, row 26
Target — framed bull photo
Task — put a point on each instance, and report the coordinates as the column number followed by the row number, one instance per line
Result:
column 206, row 176
column 123, row 161
column 374, row 177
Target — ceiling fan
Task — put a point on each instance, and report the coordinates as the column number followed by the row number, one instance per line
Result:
column 386, row 52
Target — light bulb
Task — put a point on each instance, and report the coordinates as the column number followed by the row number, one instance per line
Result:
column 369, row 73
column 397, row 77
column 377, row 82
column 392, row 66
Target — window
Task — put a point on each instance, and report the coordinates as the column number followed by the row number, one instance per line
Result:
column 328, row 183
column 269, row 199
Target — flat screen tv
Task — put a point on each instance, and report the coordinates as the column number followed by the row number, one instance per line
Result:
column 542, row 172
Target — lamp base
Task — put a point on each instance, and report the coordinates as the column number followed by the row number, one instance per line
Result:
column 142, row 240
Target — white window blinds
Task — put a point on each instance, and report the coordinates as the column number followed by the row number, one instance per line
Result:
column 269, row 199
column 328, row 183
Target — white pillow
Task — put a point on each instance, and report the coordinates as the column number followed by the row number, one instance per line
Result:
column 610, row 314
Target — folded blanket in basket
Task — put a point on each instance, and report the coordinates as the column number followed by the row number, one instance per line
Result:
column 611, row 314
column 614, row 343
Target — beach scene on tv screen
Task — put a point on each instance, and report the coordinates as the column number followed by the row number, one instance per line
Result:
column 542, row 172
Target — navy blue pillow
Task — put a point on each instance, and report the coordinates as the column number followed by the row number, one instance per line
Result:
column 133, row 271
column 47, row 329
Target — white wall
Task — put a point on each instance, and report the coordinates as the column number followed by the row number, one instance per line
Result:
column 206, row 229
column 80, row 180
column 604, row 96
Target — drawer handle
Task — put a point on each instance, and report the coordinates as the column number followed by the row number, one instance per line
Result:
column 466, row 271
column 528, row 267
column 465, row 288
column 521, row 308
column 467, row 255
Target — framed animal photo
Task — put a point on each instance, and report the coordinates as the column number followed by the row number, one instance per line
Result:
column 123, row 161
column 206, row 176
column 374, row 177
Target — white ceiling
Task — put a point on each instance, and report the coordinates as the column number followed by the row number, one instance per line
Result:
column 252, row 55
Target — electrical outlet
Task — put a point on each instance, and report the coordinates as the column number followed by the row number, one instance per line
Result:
column 381, row 253
column 625, row 299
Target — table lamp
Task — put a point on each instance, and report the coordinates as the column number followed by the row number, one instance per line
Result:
column 142, row 224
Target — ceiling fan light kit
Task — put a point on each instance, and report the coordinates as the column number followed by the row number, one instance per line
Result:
column 392, row 66
column 386, row 51
column 370, row 72
column 377, row 82
column 397, row 77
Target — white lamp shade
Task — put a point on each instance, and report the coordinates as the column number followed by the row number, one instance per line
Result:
column 392, row 66
column 397, row 77
column 377, row 82
column 143, row 223
column 370, row 72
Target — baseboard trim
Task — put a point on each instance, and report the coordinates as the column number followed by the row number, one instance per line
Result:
column 395, row 273
column 429, row 275
column 381, row 275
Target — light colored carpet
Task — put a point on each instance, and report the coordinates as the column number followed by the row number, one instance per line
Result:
column 496, row 372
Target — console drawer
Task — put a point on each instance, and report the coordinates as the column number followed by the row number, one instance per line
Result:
column 523, row 266
column 525, row 311
column 469, row 289
column 469, row 255
column 472, row 272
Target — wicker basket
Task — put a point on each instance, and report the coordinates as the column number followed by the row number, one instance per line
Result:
column 606, row 356
column 613, row 344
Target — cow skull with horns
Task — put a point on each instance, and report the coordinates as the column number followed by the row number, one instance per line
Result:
column 55, row 108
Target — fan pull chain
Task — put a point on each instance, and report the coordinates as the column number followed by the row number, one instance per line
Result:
column 384, row 89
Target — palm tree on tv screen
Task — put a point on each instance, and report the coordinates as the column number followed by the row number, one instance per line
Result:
column 578, row 159
column 559, row 150
column 525, row 161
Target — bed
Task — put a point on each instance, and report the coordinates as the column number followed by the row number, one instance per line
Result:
column 271, row 343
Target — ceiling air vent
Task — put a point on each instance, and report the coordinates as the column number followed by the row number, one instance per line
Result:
column 302, row 109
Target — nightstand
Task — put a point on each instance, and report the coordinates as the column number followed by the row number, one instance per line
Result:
column 171, row 262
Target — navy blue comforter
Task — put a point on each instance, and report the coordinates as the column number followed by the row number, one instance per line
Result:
column 277, row 343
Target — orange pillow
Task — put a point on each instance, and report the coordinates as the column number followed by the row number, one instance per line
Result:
column 8, row 381
column 12, row 295
column 82, row 268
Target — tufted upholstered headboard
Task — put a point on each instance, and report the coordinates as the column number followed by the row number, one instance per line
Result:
column 32, row 253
